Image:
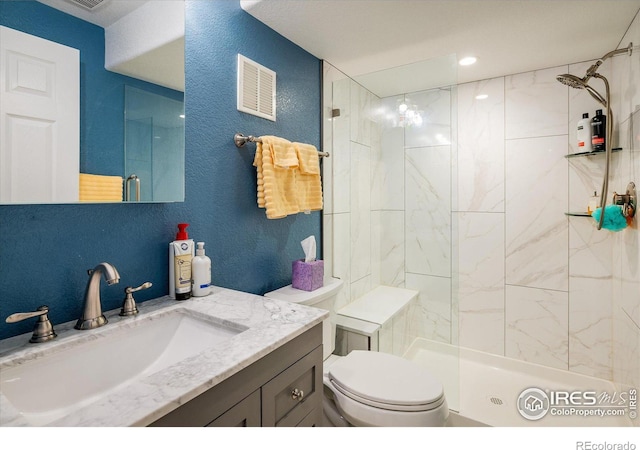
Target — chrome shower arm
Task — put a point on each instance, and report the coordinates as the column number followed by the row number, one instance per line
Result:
column 592, row 70
column 628, row 49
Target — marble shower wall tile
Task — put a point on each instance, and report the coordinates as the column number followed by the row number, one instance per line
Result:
column 629, row 249
column 428, row 210
column 385, row 338
column 536, row 227
column 341, row 156
column 590, row 298
column 431, row 314
column 536, row 326
column 481, row 290
column 590, row 330
column 391, row 165
column 376, row 248
column 435, row 107
column 401, row 338
column 360, row 211
column 361, row 114
column 481, row 146
column 626, row 348
column 341, row 249
column 360, row 287
column 392, row 248
column 377, row 168
column 590, row 250
column 536, row 104
column 626, row 276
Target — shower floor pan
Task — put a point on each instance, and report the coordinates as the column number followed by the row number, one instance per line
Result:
column 485, row 387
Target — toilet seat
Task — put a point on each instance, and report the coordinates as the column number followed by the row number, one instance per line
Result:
column 385, row 381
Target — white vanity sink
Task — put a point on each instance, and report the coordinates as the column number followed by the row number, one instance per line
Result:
column 52, row 383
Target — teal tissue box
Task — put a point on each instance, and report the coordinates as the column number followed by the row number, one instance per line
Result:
column 307, row 276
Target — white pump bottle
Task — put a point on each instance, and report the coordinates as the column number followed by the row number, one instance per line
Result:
column 201, row 269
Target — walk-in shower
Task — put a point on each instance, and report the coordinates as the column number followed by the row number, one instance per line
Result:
column 459, row 192
column 582, row 83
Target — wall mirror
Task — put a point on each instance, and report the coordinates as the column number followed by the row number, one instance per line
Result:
column 130, row 97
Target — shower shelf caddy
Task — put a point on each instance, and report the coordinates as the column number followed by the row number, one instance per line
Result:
column 577, row 155
column 577, row 214
column 627, row 200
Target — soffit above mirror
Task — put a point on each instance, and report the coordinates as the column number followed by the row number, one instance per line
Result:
column 140, row 36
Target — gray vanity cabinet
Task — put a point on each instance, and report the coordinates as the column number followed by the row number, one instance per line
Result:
column 284, row 388
column 244, row 414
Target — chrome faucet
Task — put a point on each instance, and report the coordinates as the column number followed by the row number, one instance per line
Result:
column 92, row 316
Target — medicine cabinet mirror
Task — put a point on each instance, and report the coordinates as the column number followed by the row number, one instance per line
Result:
column 130, row 93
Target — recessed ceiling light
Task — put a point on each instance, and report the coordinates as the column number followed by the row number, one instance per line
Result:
column 467, row 61
column 481, row 96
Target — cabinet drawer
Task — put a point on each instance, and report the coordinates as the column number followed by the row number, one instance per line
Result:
column 280, row 407
column 313, row 419
column 244, row 414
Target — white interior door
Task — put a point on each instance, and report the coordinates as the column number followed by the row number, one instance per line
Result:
column 39, row 119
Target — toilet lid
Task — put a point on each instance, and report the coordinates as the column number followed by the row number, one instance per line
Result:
column 386, row 381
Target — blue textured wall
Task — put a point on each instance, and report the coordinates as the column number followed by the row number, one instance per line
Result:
column 46, row 250
column 101, row 92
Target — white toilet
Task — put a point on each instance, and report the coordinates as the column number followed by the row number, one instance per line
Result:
column 370, row 388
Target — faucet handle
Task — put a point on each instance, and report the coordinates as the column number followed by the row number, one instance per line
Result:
column 129, row 307
column 43, row 330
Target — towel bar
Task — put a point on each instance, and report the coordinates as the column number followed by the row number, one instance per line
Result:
column 240, row 139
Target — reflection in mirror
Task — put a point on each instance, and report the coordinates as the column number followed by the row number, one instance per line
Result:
column 154, row 146
column 102, row 119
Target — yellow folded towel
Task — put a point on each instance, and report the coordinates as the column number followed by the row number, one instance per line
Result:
column 100, row 188
column 283, row 153
column 308, row 182
column 276, row 185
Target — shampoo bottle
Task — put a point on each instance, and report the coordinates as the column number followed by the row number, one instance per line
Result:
column 180, row 259
column 201, row 272
column 598, row 131
column 584, row 134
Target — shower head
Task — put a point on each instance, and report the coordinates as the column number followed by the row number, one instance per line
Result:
column 572, row 81
column 581, row 83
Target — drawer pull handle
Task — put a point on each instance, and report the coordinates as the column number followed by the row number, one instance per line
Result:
column 297, row 394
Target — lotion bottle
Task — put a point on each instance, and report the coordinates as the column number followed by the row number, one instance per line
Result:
column 201, row 272
column 180, row 259
column 584, row 134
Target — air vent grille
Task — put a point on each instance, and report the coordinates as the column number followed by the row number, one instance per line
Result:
column 256, row 89
column 88, row 4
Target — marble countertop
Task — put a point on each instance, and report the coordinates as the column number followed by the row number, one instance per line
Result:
column 269, row 324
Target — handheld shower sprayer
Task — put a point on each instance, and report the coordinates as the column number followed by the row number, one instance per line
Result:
column 582, row 83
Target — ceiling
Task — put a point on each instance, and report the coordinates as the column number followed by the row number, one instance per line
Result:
column 105, row 14
column 507, row 36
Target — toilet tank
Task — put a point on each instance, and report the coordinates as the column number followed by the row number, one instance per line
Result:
column 322, row 298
